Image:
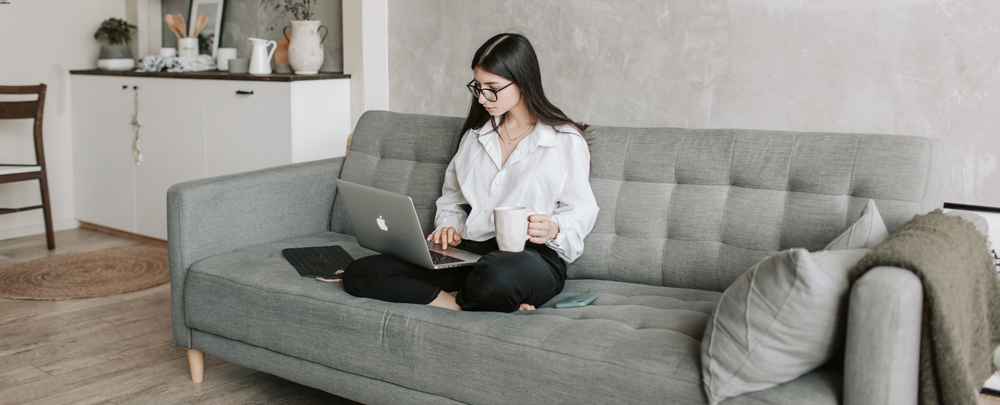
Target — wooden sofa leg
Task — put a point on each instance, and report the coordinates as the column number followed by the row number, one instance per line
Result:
column 196, row 361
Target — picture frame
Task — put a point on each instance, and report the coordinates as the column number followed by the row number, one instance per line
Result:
column 208, row 40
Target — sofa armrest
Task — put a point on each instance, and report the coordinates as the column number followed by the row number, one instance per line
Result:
column 220, row 214
column 882, row 353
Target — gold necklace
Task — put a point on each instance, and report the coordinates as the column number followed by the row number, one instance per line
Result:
column 509, row 142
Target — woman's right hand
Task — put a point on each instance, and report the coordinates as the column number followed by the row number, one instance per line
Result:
column 445, row 237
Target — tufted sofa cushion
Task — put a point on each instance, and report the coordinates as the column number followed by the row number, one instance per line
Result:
column 636, row 344
column 404, row 153
column 696, row 208
column 690, row 208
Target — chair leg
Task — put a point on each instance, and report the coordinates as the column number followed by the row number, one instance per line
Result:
column 50, row 238
column 196, row 362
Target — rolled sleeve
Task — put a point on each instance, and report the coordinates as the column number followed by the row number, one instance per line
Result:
column 576, row 209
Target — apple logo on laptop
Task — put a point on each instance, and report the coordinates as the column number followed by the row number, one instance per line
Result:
column 381, row 224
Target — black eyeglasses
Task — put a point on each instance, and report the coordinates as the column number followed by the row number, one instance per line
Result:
column 490, row 94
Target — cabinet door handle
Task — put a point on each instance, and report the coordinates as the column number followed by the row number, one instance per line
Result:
column 244, row 92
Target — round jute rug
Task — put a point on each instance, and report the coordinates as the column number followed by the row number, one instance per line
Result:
column 85, row 275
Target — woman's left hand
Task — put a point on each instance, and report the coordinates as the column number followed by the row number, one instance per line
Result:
column 541, row 228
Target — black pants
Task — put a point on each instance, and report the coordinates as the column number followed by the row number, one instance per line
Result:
column 499, row 281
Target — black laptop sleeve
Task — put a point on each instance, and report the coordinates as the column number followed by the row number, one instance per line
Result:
column 318, row 261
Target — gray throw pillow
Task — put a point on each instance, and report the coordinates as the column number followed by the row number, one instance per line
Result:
column 869, row 230
column 778, row 321
column 781, row 319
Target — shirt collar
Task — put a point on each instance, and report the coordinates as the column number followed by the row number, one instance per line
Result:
column 545, row 132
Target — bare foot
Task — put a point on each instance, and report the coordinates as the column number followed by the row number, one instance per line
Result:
column 445, row 300
column 526, row 307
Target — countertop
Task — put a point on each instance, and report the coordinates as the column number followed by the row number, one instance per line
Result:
column 216, row 75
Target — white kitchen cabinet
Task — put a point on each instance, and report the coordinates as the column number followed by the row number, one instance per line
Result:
column 172, row 148
column 240, row 135
column 192, row 126
column 102, row 146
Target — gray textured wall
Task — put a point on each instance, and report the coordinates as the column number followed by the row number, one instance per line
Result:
column 246, row 18
column 919, row 67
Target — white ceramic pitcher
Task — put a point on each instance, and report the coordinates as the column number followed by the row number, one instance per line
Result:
column 260, row 57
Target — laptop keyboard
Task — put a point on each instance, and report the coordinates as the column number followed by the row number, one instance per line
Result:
column 438, row 258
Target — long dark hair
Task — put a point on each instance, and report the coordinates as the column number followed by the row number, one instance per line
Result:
column 512, row 57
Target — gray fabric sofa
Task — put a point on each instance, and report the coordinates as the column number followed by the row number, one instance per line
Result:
column 683, row 213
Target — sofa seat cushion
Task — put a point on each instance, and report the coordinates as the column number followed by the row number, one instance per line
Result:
column 818, row 387
column 637, row 344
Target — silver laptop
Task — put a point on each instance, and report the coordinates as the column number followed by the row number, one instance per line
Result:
column 387, row 222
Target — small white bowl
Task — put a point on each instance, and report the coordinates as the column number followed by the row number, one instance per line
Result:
column 116, row 64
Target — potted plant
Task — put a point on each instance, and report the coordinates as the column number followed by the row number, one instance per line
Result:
column 300, row 9
column 305, row 50
column 114, row 35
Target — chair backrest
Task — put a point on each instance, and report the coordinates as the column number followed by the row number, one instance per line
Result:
column 27, row 109
column 680, row 207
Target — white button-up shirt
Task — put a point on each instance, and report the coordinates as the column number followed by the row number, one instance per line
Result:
column 548, row 172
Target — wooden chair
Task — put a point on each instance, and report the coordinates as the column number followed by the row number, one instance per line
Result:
column 12, row 172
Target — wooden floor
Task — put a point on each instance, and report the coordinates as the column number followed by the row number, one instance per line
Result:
column 116, row 349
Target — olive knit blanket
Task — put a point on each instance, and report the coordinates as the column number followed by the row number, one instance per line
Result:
column 960, row 302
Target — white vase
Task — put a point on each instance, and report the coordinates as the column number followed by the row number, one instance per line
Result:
column 305, row 51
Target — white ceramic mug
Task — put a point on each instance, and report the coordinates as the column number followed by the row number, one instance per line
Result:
column 224, row 56
column 187, row 47
column 168, row 52
column 239, row 65
column 511, row 225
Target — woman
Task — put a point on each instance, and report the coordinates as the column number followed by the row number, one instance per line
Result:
column 516, row 149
